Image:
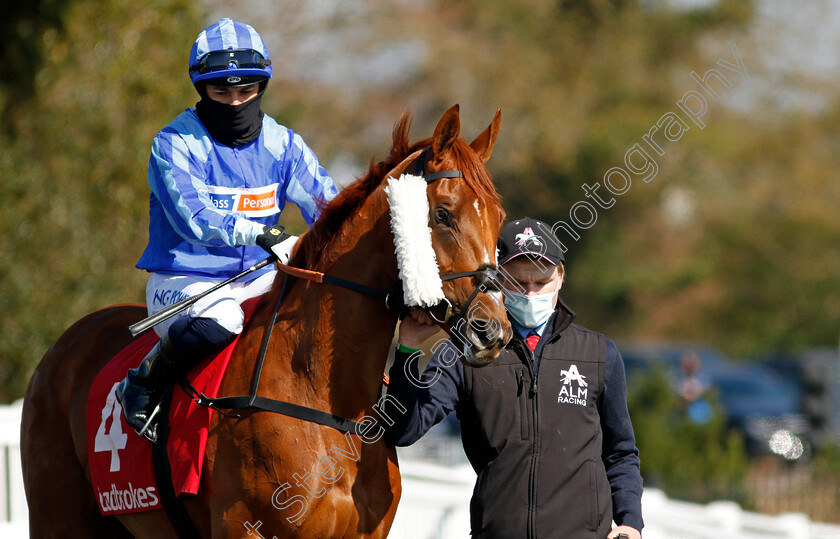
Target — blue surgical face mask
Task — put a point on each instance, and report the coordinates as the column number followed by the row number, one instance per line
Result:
column 530, row 311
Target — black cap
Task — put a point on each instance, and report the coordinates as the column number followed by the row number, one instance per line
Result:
column 529, row 236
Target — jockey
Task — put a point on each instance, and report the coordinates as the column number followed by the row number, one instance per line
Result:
column 220, row 174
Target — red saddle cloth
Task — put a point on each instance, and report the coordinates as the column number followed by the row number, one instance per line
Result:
column 121, row 461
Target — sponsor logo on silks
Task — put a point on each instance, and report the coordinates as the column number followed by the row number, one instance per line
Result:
column 165, row 298
column 526, row 236
column 573, row 394
column 253, row 202
column 127, row 499
column 223, row 202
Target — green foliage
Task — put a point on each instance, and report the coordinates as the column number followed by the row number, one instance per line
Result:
column 827, row 461
column 74, row 197
column 22, row 26
column 753, row 268
column 697, row 462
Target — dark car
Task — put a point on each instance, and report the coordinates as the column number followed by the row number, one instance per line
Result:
column 764, row 406
column 817, row 373
column 760, row 403
column 640, row 359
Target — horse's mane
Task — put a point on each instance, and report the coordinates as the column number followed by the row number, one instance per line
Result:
column 348, row 201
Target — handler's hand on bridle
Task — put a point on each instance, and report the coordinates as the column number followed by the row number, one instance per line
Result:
column 416, row 327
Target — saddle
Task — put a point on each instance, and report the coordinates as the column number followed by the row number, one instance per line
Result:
column 121, row 462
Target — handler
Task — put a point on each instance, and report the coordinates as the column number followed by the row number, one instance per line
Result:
column 556, row 458
column 220, row 174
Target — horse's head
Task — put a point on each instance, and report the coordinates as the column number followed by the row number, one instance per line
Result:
column 465, row 216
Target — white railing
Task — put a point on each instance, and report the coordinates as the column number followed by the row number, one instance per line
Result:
column 435, row 501
column 672, row 519
column 13, row 512
column 435, row 504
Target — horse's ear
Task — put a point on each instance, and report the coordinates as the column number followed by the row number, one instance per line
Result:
column 447, row 130
column 483, row 143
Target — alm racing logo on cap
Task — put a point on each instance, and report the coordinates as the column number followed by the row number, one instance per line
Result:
column 526, row 236
column 253, row 202
column 573, row 394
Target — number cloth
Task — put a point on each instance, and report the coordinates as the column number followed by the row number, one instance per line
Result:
column 121, row 461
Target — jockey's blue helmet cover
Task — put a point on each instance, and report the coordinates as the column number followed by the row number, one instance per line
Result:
column 231, row 51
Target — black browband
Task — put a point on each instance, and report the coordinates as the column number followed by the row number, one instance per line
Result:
column 420, row 167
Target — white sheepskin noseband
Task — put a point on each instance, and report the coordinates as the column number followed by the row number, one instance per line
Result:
column 416, row 259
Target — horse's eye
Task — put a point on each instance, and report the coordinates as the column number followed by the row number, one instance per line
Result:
column 443, row 217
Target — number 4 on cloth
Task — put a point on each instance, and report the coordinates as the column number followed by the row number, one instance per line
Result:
column 115, row 439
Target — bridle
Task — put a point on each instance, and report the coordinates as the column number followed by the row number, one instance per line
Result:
column 487, row 282
column 487, row 275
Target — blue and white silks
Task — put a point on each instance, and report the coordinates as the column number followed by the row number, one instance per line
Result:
column 209, row 201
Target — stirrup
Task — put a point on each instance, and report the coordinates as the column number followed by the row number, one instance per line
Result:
column 151, row 435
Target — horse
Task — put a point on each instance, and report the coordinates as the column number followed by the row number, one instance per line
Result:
column 327, row 348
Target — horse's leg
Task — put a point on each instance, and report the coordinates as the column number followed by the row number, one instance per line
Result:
column 243, row 473
column 60, row 500
column 53, row 446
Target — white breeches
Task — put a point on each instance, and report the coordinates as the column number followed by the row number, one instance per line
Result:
column 223, row 305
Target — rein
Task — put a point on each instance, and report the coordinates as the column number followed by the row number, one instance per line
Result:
column 321, row 278
column 253, row 401
column 393, row 300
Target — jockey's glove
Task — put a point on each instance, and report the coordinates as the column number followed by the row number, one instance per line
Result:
column 275, row 240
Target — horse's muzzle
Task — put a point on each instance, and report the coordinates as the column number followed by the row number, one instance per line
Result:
column 484, row 340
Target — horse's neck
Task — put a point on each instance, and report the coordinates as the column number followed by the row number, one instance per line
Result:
column 344, row 340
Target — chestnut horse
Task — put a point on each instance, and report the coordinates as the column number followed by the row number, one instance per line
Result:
column 327, row 351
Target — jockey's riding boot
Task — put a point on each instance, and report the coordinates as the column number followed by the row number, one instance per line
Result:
column 140, row 392
column 188, row 341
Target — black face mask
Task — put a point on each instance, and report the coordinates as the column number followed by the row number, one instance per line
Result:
column 232, row 125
